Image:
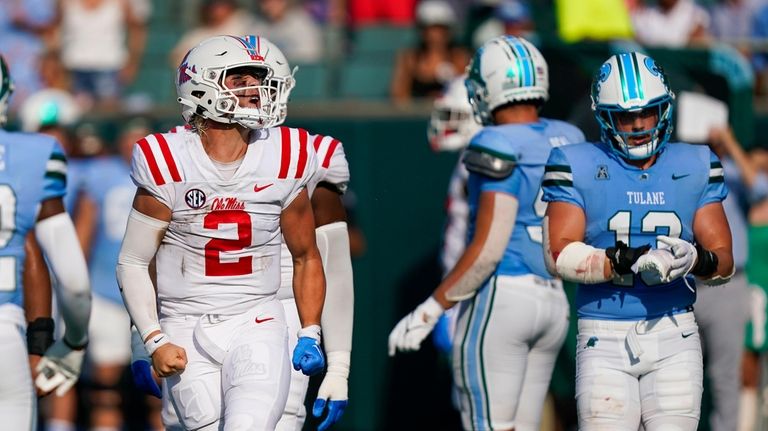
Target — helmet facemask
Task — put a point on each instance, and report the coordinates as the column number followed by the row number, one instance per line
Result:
column 620, row 140
column 6, row 89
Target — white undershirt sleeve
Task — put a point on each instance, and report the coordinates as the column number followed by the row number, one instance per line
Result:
column 58, row 240
column 338, row 310
column 142, row 239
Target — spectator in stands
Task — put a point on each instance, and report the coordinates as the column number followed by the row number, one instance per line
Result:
column 291, row 28
column 671, row 24
column 423, row 71
column 216, row 17
column 101, row 42
column 22, row 22
column 722, row 312
column 510, row 17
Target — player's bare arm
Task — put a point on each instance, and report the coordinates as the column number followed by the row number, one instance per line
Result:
column 495, row 220
column 298, row 226
column 146, row 227
column 711, row 230
column 37, row 304
column 327, row 206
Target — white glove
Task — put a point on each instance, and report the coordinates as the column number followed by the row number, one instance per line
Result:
column 654, row 266
column 59, row 368
column 414, row 328
column 685, row 256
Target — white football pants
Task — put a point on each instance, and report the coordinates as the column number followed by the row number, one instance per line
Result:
column 238, row 370
column 295, row 413
column 506, row 343
column 18, row 404
column 628, row 372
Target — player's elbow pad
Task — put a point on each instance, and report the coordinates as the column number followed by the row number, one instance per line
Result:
column 581, row 263
column 502, row 223
column 337, row 318
column 143, row 235
column 58, row 239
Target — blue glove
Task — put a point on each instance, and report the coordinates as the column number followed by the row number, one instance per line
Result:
column 308, row 357
column 141, row 367
column 335, row 411
column 441, row 335
column 143, row 379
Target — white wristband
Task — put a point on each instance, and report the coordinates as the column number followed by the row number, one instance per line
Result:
column 155, row 342
column 311, row 331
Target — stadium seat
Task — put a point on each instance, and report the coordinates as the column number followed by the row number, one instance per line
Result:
column 382, row 40
column 364, row 79
column 312, row 82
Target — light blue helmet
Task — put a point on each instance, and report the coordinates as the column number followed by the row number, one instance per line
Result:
column 6, row 88
column 506, row 69
column 632, row 82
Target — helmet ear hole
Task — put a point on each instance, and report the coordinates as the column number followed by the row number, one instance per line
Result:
column 198, row 94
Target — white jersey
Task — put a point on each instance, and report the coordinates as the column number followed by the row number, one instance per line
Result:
column 221, row 252
column 332, row 168
column 457, row 218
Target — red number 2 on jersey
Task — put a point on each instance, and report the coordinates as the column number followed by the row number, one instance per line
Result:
column 214, row 267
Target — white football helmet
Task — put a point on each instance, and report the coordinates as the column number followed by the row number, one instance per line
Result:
column 6, row 89
column 50, row 107
column 452, row 124
column 201, row 75
column 506, row 69
column 632, row 82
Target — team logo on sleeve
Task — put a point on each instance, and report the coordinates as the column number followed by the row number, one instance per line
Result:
column 602, row 173
column 195, row 198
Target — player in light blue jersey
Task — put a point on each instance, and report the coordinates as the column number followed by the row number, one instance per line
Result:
column 32, row 181
column 633, row 219
column 513, row 315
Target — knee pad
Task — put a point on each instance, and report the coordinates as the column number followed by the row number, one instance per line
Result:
column 195, row 403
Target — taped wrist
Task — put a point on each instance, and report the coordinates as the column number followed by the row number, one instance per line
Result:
column 622, row 256
column 39, row 335
column 706, row 264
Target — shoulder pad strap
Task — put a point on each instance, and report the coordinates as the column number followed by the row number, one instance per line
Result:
column 489, row 163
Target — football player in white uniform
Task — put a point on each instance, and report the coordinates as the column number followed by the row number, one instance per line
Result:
column 212, row 206
column 451, row 126
column 325, row 189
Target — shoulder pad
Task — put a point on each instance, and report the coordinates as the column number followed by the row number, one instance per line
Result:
column 489, row 163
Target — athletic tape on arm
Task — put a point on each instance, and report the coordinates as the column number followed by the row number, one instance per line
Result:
column 582, row 263
column 142, row 238
column 503, row 222
column 58, row 239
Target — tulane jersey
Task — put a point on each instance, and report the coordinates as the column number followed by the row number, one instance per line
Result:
column 108, row 183
column 32, row 170
column 528, row 145
column 625, row 203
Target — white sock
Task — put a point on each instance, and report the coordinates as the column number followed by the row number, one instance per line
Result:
column 748, row 409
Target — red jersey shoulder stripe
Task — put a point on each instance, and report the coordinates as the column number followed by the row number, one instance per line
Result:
column 302, row 163
column 285, row 159
column 317, row 141
column 168, row 157
column 153, row 168
column 331, row 148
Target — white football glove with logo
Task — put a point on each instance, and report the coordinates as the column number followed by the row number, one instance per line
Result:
column 415, row 327
column 59, row 368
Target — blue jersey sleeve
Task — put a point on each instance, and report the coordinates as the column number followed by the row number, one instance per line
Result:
column 55, row 180
column 557, row 182
column 715, row 191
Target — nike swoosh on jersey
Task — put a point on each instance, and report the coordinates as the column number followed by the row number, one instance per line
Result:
column 267, row 319
column 257, row 188
column 677, row 177
column 687, row 335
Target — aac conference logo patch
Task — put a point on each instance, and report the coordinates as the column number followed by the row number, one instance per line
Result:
column 195, row 198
